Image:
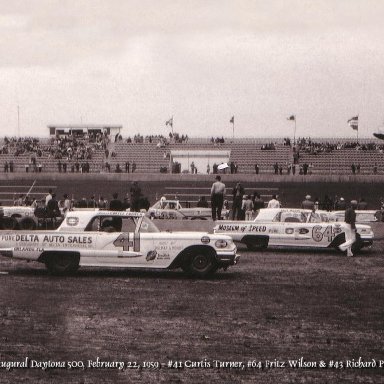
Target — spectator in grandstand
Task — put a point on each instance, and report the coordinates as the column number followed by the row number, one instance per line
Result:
column 375, row 169
column 133, row 167
column 11, row 166
column 202, row 203
column 237, row 194
column 362, row 204
column 247, row 207
column 276, row 168
column 258, row 202
column 350, row 230
column 358, row 168
column 353, row 168
column 307, row 203
column 217, row 198
column 208, row 169
column 6, row 167
column 274, row 202
column 257, row 170
column 127, row 165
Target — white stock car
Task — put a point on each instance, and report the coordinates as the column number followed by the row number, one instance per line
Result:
column 120, row 240
column 172, row 209
column 297, row 228
column 18, row 217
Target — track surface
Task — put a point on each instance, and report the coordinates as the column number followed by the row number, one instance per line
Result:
column 276, row 305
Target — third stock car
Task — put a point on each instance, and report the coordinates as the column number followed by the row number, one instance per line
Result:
column 286, row 227
column 120, row 240
column 172, row 209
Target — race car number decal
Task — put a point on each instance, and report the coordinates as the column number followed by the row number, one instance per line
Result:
column 318, row 233
column 123, row 241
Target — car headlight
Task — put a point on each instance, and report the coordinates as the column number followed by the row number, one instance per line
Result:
column 222, row 243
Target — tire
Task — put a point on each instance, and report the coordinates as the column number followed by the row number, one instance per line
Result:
column 256, row 244
column 357, row 245
column 9, row 223
column 27, row 223
column 62, row 263
column 200, row 264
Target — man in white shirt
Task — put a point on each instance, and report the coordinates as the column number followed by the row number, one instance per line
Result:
column 217, row 198
column 48, row 197
column 274, row 203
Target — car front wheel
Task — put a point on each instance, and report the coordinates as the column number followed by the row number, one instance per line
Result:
column 200, row 264
column 62, row 263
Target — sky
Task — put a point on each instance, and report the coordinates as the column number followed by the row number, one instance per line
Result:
column 139, row 62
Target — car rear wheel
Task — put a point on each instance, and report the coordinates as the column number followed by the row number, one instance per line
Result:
column 27, row 223
column 256, row 243
column 62, row 263
column 8, row 223
column 200, row 264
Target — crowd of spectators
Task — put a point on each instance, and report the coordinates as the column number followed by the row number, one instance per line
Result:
column 307, row 145
column 268, row 147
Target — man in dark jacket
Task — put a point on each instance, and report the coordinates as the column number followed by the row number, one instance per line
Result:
column 237, row 193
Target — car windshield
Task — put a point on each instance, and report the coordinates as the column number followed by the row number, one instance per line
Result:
column 315, row 217
column 148, row 226
column 108, row 223
column 293, row 217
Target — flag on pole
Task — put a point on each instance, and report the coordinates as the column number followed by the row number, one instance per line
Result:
column 292, row 117
column 232, row 120
column 354, row 122
column 169, row 122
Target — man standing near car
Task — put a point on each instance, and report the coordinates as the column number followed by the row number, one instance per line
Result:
column 350, row 230
column 238, row 193
column 217, row 198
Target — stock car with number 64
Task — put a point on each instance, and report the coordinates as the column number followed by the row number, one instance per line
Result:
column 298, row 228
column 119, row 240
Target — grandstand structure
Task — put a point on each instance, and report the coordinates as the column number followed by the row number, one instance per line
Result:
column 327, row 157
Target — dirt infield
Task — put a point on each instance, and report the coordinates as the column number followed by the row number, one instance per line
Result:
column 273, row 309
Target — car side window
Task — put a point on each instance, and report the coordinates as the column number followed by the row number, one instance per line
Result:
column 128, row 225
column 315, row 218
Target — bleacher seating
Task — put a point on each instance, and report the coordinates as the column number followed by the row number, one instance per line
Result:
column 149, row 157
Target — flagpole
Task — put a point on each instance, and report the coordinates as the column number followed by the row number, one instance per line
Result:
column 233, row 130
column 294, row 132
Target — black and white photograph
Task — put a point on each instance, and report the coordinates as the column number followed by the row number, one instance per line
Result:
column 191, row 191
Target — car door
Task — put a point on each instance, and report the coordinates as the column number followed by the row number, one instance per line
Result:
column 117, row 242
